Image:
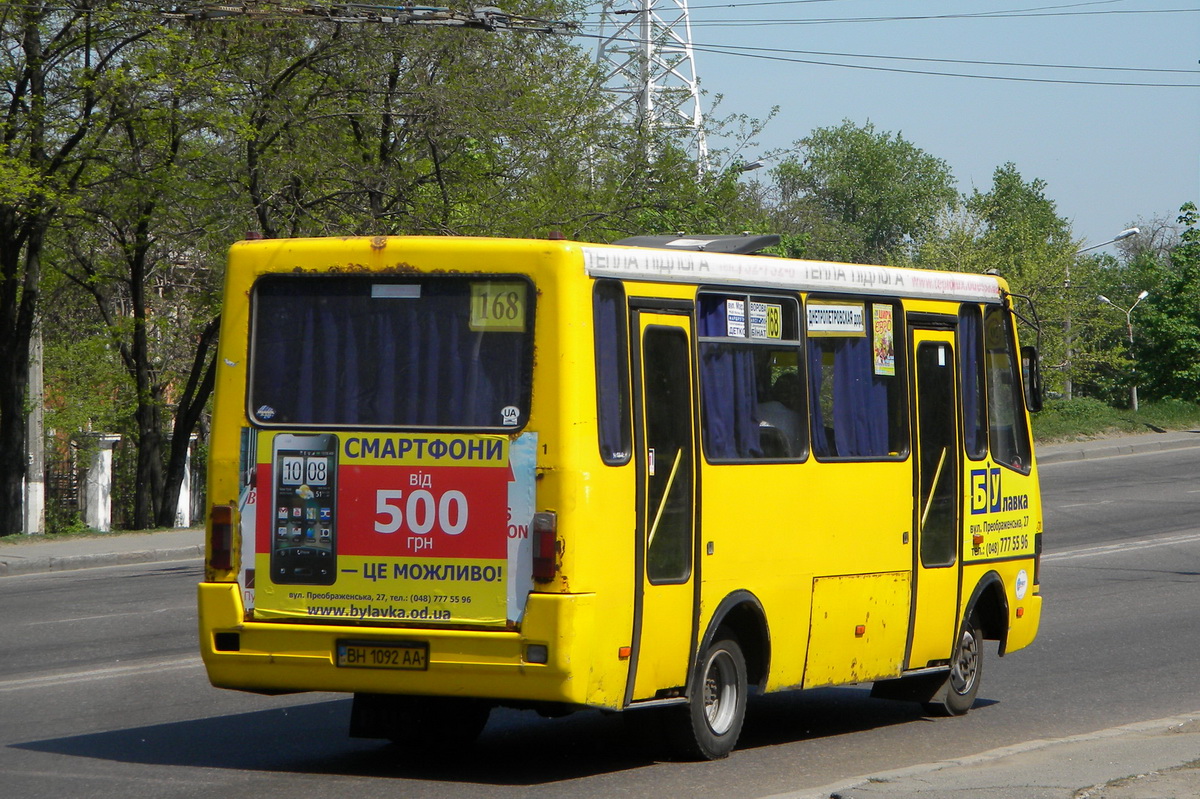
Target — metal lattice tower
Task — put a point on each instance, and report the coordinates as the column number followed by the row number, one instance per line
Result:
column 645, row 53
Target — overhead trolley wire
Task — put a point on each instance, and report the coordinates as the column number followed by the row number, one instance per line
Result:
column 794, row 56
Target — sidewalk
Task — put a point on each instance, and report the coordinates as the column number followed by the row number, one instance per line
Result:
column 1118, row 445
column 1149, row 760
column 84, row 552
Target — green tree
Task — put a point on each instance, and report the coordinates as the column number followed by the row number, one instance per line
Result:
column 54, row 69
column 862, row 195
column 1027, row 242
column 1167, row 323
column 132, row 248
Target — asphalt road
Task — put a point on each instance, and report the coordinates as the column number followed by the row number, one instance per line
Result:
column 102, row 694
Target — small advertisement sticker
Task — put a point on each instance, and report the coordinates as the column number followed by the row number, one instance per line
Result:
column 884, row 344
column 735, row 318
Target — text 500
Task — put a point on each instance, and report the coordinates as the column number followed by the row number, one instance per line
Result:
column 420, row 511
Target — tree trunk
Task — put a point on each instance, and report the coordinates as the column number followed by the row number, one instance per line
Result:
column 21, row 238
column 187, row 415
column 17, row 313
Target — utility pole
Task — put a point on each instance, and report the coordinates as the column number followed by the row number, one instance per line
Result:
column 35, row 438
column 645, row 53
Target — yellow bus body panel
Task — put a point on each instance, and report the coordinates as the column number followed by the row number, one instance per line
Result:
column 859, row 628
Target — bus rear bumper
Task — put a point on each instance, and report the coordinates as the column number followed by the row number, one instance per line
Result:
column 283, row 657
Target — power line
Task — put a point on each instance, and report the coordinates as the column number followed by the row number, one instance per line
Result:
column 791, row 56
column 487, row 18
column 1039, row 11
column 785, row 21
column 980, row 13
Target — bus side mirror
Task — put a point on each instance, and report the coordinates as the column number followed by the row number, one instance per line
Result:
column 1031, row 371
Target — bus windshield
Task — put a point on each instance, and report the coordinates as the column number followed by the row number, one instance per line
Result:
column 425, row 352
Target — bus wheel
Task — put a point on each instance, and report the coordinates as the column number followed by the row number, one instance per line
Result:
column 717, row 706
column 957, row 695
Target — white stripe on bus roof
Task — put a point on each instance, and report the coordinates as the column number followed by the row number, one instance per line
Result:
column 689, row 266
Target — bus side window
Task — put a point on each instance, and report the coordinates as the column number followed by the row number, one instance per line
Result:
column 855, row 379
column 972, row 389
column 751, row 378
column 612, row 372
column 1007, row 428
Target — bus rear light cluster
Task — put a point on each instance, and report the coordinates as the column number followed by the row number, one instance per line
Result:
column 545, row 546
column 220, row 525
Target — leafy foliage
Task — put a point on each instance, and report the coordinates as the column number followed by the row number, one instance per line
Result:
column 864, row 195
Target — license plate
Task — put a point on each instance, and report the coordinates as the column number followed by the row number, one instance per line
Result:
column 407, row 656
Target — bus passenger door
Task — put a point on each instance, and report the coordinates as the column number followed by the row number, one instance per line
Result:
column 666, row 473
column 937, row 500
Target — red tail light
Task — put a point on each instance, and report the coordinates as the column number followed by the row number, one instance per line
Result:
column 220, row 542
column 545, row 546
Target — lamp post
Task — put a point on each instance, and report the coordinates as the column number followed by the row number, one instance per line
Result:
column 1133, row 398
column 1124, row 234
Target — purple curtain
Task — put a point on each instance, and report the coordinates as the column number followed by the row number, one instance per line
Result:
column 728, row 391
column 326, row 352
column 861, row 422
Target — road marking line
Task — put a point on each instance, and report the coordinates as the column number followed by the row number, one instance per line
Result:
column 1127, row 546
column 114, row 615
column 90, row 675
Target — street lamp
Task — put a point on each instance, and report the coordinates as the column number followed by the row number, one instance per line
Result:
column 1124, row 234
column 1133, row 398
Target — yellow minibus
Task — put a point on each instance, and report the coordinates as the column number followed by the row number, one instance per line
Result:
column 449, row 474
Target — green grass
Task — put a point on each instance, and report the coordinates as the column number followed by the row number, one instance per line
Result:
column 74, row 532
column 1080, row 419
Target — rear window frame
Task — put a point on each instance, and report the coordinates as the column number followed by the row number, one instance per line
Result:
column 525, row 405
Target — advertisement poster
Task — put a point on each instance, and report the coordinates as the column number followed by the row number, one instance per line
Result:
column 885, row 348
column 378, row 528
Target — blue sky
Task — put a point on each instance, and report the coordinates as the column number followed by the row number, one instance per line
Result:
column 1109, row 154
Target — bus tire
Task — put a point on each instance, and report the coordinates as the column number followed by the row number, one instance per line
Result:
column 717, row 705
column 957, row 694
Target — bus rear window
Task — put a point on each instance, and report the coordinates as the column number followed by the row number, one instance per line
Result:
column 365, row 351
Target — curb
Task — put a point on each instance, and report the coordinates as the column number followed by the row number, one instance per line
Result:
column 10, row 567
column 927, row 773
column 1066, row 453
